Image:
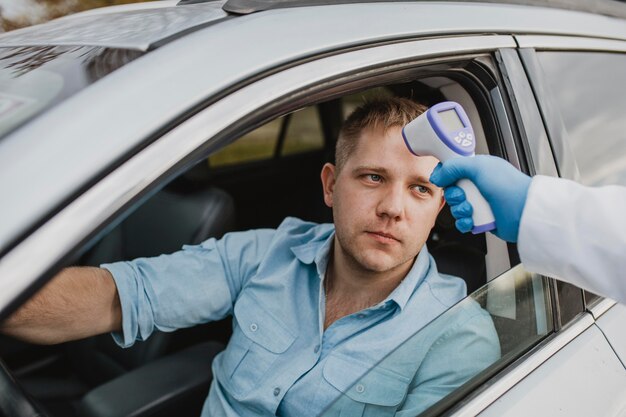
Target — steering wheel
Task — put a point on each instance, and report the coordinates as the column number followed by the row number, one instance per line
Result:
column 14, row 401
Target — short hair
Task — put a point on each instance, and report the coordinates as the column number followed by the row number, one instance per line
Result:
column 373, row 114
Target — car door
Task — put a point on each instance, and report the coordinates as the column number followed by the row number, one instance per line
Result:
column 463, row 68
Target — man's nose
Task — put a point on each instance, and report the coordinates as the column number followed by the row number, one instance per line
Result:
column 391, row 203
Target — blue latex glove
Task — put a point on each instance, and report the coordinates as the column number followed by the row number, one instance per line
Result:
column 504, row 187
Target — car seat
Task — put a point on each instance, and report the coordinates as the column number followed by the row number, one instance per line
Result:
column 163, row 224
column 461, row 255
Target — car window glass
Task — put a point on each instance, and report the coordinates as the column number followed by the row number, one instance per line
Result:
column 588, row 88
column 293, row 133
column 304, row 132
column 34, row 79
column 454, row 352
column 570, row 301
column 591, row 298
column 256, row 145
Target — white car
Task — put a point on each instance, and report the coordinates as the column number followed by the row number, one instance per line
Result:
column 131, row 130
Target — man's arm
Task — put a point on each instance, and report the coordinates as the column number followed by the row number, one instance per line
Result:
column 79, row 302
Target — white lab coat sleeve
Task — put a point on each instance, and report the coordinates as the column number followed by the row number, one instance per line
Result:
column 576, row 234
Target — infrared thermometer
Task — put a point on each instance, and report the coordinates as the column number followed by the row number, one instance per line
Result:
column 444, row 131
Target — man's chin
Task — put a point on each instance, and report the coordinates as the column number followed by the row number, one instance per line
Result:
column 373, row 258
column 378, row 262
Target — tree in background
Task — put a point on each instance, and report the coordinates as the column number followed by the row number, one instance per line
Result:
column 39, row 11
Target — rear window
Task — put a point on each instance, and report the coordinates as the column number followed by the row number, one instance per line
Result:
column 588, row 88
column 34, row 79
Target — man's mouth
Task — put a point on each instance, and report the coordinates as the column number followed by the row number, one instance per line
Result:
column 383, row 237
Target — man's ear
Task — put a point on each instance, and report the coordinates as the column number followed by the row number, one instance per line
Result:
column 443, row 202
column 328, row 182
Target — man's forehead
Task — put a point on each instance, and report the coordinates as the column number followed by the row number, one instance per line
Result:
column 386, row 151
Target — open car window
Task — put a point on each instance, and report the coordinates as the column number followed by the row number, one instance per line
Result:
column 294, row 133
column 450, row 356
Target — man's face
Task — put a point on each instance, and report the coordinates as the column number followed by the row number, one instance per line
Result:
column 383, row 204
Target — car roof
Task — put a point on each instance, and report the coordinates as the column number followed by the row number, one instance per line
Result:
column 55, row 156
column 145, row 26
column 605, row 7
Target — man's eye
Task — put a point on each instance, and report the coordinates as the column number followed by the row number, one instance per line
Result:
column 421, row 189
column 374, row 177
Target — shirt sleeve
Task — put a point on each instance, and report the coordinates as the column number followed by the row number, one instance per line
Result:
column 576, row 234
column 195, row 285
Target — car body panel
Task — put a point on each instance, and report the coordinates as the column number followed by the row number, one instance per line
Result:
column 562, row 386
column 612, row 325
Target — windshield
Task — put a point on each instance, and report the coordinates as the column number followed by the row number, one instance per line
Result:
column 34, row 79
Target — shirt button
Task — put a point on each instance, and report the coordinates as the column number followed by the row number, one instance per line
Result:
column 276, row 392
column 360, row 316
column 254, row 327
column 360, row 388
column 317, row 348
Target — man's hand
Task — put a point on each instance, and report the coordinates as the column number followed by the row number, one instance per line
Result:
column 503, row 186
column 77, row 303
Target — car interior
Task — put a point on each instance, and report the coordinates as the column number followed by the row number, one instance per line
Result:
column 277, row 176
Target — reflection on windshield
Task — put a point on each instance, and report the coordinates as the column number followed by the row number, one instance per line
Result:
column 33, row 79
column 97, row 61
column 448, row 352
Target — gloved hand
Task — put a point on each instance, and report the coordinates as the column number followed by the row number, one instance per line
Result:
column 504, row 187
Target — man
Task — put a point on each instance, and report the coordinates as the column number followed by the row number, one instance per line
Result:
column 565, row 230
column 314, row 306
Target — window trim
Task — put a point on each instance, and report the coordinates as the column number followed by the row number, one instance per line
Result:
column 563, row 154
column 534, row 136
column 569, row 43
column 600, row 307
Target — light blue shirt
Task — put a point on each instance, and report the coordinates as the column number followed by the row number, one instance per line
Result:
column 279, row 359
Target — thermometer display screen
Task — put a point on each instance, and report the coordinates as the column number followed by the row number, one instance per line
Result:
column 451, row 120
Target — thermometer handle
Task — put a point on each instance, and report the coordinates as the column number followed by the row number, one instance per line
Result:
column 482, row 214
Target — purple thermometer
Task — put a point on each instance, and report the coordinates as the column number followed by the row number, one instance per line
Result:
column 444, row 131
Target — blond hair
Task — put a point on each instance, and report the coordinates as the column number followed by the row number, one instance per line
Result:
column 378, row 113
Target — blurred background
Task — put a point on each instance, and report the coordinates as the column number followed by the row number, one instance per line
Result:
column 15, row 14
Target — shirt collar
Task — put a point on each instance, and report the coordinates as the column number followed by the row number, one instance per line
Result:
column 318, row 251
